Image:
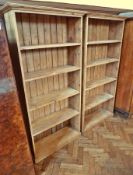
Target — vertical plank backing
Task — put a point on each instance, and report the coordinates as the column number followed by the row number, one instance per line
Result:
column 54, row 60
column 84, row 69
column 65, row 60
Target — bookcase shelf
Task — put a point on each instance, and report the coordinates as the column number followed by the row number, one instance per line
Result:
column 103, row 42
column 49, row 46
column 54, row 142
column 96, row 117
column 102, row 62
column 97, row 100
column 43, row 100
column 54, row 119
column 30, row 76
column 45, row 46
column 103, row 39
column 108, row 18
column 96, row 83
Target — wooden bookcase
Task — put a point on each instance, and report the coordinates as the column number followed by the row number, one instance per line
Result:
column 102, row 48
column 49, row 43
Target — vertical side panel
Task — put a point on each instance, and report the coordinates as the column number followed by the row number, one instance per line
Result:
column 15, row 156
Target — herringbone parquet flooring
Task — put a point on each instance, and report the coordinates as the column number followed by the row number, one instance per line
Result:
column 106, row 149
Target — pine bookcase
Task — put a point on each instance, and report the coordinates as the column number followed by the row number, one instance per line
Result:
column 49, row 45
column 102, row 48
column 66, row 90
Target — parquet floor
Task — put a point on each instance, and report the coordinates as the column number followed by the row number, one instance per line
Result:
column 106, row 149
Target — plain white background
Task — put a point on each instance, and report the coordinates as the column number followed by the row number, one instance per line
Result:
column 126, row 4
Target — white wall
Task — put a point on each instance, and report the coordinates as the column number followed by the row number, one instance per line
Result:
column 126, row 4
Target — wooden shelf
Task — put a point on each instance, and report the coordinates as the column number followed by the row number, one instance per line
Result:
column 47, row 122
column 97, row 100
column 96, row 117
column 52, row 143
column 50, row 72
column 103, row 42
column 106, row 18
column 52, row 97
column 102, row 62
column 46, row 46
column 96, row 83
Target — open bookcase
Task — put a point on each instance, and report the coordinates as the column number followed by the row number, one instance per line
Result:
column 49, row 43
column 102, row 48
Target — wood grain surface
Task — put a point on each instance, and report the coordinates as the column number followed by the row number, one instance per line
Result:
column 15, row 156
column 125, row 80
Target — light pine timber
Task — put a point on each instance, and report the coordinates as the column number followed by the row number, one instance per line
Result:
column 102, row 48
column 50, row 55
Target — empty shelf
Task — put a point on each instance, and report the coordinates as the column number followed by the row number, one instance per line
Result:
column 49, row 72
column 103, row 42
column 43, row 100
column 45, row 46
column 107, row 18
column 52, row 143
column 97, row 100
column 102, row 62
column 96, row 117
column 96, row 83
column 47, row 122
